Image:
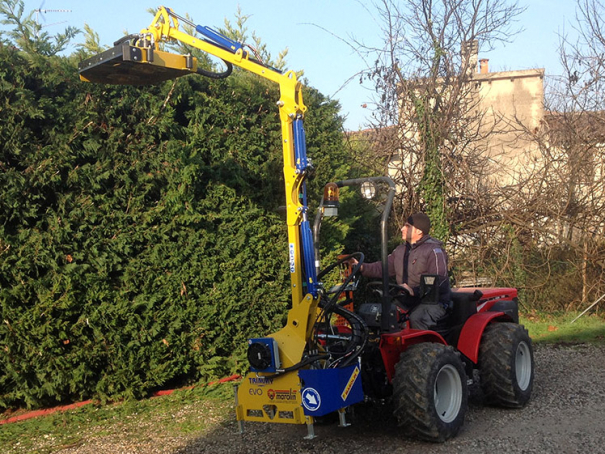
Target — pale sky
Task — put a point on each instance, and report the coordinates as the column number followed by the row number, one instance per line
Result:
column 316, row 32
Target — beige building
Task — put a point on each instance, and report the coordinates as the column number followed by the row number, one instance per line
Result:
column 501, row 114
column 512, row 103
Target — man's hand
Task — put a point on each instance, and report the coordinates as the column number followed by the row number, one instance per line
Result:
column 409, row 289
column 352, row 262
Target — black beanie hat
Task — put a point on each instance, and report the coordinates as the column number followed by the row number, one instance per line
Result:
column 421, row 221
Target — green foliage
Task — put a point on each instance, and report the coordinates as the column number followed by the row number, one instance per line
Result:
column 516, row 257
column 91, row 45
column 432, row 190
column 140, row 244
column 432, row 183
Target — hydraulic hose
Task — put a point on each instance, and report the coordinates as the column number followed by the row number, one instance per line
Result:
column 359, row 335
column 125, row 38
column 215, row 75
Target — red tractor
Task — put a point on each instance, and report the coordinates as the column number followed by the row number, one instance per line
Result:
column 426, row 374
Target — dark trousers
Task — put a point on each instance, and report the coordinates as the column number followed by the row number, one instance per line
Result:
column 426, row 316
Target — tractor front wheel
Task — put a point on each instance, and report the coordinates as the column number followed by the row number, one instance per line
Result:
column 430, row 392
column 506, row 365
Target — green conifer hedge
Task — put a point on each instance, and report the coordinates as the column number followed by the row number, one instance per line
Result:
column 140, row 241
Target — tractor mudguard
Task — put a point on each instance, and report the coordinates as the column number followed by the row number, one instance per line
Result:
column 472, row 331
column 392, row 345
column 509, row 307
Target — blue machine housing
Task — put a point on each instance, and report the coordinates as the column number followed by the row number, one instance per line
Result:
column 327, row 390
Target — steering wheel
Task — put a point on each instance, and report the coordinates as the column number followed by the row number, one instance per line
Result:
column 398, row 294
column 395, row 290
column 360, row 257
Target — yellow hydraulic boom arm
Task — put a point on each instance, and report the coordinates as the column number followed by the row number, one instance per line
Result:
column 273, row 394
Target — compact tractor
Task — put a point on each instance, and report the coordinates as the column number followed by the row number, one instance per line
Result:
column 336, row 349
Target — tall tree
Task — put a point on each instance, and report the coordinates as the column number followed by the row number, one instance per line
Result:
column 427, row 107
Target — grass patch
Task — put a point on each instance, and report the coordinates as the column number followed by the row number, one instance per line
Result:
column 182, row 414
column 558, row 327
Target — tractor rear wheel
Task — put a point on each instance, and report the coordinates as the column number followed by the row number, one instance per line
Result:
column 506, row 365
column 430, row 395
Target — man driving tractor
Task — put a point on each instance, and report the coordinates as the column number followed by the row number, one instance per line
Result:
column 420, row 255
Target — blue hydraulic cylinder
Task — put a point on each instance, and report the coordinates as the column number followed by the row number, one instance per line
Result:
column 218, row 38
column 213, row 35
column 302, row 163
column 309, row 257
column 300, row 145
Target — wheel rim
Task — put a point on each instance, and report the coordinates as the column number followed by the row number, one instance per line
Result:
column 448, row 393
column 523, row 365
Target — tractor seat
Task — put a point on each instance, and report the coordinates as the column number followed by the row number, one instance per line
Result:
column 462, row 307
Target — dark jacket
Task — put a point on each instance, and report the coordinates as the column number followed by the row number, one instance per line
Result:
column 427, row 256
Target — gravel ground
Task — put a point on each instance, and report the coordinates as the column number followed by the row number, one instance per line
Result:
column 566, row 415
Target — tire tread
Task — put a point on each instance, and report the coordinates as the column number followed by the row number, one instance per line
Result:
column 412, row 393
column 496, row 360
